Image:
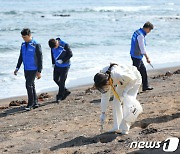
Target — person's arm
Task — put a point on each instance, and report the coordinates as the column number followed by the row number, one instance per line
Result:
column 39, row 57
column 19, row 61
column 105, row 100
column 142, row 47
column 147, row 58
column 18, row 64
column 52, row 58
column 69, row 53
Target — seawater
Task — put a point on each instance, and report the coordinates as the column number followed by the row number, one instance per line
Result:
column 98, row 32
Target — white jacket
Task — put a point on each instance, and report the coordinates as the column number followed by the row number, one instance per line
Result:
column 124, row 77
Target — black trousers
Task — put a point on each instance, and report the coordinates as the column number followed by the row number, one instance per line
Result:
column 60, row 76
column 30, row 86
column 142, row 69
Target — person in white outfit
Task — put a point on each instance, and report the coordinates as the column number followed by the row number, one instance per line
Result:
column 124, row 81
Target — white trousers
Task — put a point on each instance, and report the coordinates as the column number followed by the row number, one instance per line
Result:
column 119, row 112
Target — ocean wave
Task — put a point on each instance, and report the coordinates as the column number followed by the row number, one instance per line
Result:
column 120, row 8
column 15, row 12
column 105, row 9
column 83, row 45
column 5, row 48
column 176, row 17
column 3, row 74
column 170, row 4
column 12, row 12
column 9, row 29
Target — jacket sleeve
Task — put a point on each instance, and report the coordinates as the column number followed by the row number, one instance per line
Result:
column 142, row 47
column 105, row 100
column 39, row 57
column 69, row 53
column 19, row 61
column 52, row 58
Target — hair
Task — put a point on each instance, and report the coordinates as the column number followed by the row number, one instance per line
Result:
column 100, row 80
column 148, row 25
column 52, row 43
column 26, row 31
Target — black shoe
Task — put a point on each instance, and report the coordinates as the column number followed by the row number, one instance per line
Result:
column 58, row 98
column 148, row 88
column 28, row 108
column 35, row 106
column 65, row 95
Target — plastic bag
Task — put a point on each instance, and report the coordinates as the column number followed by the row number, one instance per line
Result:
column 132, row 108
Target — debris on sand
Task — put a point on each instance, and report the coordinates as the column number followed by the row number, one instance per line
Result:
column 166, row 75
column 17, row 103
column 43, row 96
column 3, row 107
column 177, row 72
column 148, row 131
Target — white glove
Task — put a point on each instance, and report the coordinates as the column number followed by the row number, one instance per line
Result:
column 60, row 61
column 124, row 94
column 102, row 117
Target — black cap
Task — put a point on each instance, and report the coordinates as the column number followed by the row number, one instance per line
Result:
column 100, row 79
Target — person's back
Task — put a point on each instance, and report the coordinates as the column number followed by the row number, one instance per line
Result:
column 135, row 50
column 123, row 73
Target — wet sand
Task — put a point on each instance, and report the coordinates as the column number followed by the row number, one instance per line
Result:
column 73, row 126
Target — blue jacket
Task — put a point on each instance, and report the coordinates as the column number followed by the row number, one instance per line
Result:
column 135, row 50
column 31, row 56
column 63, row 52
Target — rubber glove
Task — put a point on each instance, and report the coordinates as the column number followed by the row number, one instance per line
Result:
column 102, row 117
column 60, row 61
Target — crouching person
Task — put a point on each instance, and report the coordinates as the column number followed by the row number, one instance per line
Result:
column 124, row 82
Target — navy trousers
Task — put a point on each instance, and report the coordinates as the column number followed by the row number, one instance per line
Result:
column 30, row 86
column 142, row 69
column 60, row 76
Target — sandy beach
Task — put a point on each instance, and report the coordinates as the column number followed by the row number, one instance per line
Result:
column 73, row 126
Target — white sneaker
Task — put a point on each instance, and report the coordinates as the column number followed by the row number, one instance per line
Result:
column 124, row 132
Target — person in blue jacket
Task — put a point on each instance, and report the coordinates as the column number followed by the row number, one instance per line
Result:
column 138, row 51
column 31, row 57
column 60, row 54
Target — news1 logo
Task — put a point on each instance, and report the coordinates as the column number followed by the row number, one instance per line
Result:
column 170, row 144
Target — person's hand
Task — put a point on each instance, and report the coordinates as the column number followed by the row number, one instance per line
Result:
column 60, row 61
column 15, row 71
column 124, row 94
column 38, row 75
column 102, row 117
column 148, row 60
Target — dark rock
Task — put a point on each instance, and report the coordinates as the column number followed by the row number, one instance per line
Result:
column 89, row 90
column 43, row 96
column 61, row 15
column 168, row 73
column 17, row 103
column 3, row 107
column 177, row 72
column 148, row 131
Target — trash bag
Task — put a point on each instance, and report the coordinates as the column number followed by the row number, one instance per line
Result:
column 131, row 109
